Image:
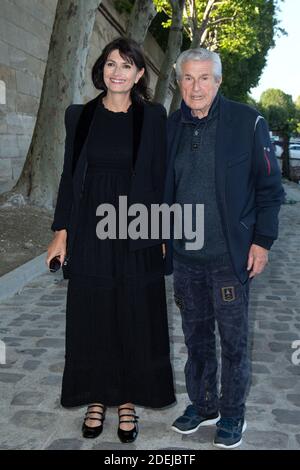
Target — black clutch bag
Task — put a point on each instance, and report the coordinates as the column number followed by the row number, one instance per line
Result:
column 54, row 266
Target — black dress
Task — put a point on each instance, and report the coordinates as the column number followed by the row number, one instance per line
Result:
column 117, row 342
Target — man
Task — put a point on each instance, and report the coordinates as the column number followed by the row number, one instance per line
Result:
column 220, row 155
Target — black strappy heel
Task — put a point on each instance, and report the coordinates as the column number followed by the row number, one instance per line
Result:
column 92, row 432
column 128, row 436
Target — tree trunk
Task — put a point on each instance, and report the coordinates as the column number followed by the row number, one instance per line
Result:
column 173, row 49
column 199, row 34
column 140, row 19
column 176, row 100
column 62, row 85
column 286, row 156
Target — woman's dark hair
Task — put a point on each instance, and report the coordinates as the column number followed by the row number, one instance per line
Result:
column 129, row 50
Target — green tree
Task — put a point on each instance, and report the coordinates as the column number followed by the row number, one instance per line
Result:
column 242, row 32
column 280, row 112
column 297, row 104
column 62, row 84
column 243, row 66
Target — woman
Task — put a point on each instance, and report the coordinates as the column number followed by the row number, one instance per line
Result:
column 117, row 344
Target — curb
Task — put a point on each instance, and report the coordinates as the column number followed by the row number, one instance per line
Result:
column 14, row 281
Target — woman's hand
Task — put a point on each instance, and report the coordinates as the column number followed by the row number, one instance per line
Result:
column 58, row 247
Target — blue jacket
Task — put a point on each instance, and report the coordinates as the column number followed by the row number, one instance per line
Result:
column 247, row 177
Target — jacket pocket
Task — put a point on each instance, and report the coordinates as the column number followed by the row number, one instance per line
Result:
column 249, row 219
column 238, row 159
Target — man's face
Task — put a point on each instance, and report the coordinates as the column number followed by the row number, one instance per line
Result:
column 198, row 86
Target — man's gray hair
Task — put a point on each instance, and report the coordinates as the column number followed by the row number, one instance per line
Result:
column 202, row 55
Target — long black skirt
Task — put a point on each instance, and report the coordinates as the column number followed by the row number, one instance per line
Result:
column 117, row 342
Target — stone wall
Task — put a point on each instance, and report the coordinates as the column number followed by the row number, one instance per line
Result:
column 25, row 31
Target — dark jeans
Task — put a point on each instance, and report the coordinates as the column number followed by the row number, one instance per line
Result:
column 205, row 294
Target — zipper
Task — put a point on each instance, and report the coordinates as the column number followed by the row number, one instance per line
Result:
column 224, row 217
column 243, row 223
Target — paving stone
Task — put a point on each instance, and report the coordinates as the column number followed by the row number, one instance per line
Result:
column 267, row 439
column 58, row 367
column 65, row 444
column 11, row 341
column 287, row 416
column 48, row 304
column 294, row 399
column 51, row 343
column 294, row 370
column 286, row 336
column 39, row 420
column 112, row 446
column 51, row 380
column 282, row 383
column 58, row 317
column 284, row 318
column 271, row 325
column 31, row 333
column 260, row 369
column 180, row 388
column 261, row 397
column 279, row 347
column 27, row 316
column 27, row 398
column 262, row 357
column 204, row 435
column 31, row 365
column 8, row 377
column 32, row 352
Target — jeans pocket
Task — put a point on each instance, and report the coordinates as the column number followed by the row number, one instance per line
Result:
column 180, row 289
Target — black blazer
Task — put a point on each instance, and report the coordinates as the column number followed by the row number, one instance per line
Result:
column 148, row 165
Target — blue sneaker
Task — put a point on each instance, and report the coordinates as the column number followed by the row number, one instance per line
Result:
column 229, row 433
column 190, row 421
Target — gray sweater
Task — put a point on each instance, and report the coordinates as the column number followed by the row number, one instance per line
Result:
column 195, row 184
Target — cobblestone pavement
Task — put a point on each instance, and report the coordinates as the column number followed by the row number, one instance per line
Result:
column 32, row 327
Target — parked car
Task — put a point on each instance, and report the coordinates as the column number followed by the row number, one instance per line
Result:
column 278, row 149
column 294, row 151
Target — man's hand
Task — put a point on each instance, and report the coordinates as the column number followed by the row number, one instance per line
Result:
column 257, row 259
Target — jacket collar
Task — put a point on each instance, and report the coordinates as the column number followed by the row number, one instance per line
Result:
column 85, row 121
column 186, row 112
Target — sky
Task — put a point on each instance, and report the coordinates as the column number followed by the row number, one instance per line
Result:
column 283, row 61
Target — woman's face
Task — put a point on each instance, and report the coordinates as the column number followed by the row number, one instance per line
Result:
column 120, row 75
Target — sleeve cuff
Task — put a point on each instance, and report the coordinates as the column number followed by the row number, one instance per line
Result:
column 57, row 227
column 263, row 241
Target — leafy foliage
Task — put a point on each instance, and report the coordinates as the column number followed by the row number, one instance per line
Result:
column 280, row 110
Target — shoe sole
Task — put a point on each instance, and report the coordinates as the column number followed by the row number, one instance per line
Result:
column 232, row 446
column 208, row 422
